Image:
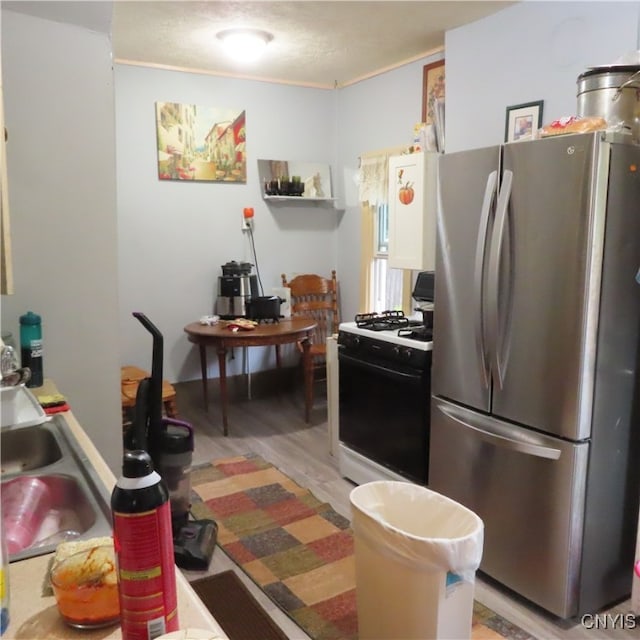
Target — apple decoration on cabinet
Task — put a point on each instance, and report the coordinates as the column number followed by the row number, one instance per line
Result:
column 405, row 192
column 412, row 202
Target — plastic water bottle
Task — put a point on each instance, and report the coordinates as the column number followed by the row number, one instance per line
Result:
column 31, row 347
column 143, row 544
column 4, row 583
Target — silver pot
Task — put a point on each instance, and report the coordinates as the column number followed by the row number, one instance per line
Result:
column 613, row 93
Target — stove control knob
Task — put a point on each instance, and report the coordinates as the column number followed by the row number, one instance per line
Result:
column 399, row 352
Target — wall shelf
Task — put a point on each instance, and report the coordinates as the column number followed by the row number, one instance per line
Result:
column 301, row 199
column 315, row 176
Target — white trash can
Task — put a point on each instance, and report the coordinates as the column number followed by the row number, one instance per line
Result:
column 416, row 556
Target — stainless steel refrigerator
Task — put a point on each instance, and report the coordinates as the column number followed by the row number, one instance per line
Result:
column 534, row 420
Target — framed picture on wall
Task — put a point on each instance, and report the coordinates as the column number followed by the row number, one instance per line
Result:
column 199, row 143
column 432, row 88
column 523, row 121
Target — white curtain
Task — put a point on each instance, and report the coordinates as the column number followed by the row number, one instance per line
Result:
column 380, row 287
column 373, row 179
column 374, row 175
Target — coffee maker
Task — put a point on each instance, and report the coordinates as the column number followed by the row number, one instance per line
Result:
column 236, row 286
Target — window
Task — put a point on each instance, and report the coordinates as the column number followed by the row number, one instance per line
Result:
column 386, row 282
column 382, row 230
column 381, row 287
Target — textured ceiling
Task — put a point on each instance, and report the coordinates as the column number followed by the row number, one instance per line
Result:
column 326, row 44
column 90, row 14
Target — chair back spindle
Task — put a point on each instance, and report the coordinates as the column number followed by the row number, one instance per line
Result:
column 316, row 297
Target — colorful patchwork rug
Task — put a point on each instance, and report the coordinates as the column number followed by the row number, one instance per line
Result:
column 296, row 548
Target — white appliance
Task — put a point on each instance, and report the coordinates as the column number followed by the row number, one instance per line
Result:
column 385, row 366
column 534, row 422
column 333, row 391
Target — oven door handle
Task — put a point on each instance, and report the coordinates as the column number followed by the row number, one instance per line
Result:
column 389, row 372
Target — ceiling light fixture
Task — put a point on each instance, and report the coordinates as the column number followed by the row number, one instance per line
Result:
column 245, row 45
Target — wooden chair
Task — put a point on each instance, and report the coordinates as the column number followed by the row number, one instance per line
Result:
column 130, row 377
column 316, row 297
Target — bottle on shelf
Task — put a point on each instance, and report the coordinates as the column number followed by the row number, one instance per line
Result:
column 31, row 347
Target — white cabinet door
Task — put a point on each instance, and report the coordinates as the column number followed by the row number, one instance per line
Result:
column 412, row 211
column 6, row 271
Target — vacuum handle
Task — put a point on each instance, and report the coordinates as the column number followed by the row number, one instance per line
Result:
column 155, row 388
column 156, row 361
column 177, row 423
column 187, row 435
column 137, row 435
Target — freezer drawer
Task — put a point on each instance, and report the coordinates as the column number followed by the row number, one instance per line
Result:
column 529, row 490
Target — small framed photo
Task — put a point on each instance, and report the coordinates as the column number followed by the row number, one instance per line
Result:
column 433, row 81
column 523, row 121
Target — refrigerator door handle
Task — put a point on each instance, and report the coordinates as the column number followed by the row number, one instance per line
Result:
column 498, row 434
column 481, row 249
column 493, row 280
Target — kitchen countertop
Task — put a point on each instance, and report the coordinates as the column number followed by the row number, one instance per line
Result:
column 33, row 613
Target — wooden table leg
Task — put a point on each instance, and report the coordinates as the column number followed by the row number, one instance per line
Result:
column 203, row 369
column 222, row 365
column 308, row 378
column 278, row 358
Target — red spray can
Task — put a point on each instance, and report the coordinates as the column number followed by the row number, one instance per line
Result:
column 144, row 550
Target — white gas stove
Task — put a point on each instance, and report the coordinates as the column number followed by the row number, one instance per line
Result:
column 407, row 337
column 391, row 327
column 384, row 379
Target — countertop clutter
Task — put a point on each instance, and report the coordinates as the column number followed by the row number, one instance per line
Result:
column 33, row 611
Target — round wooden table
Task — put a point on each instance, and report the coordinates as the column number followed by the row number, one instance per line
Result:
column 220, row 336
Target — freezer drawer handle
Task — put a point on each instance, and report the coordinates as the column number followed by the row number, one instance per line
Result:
column 508, row 442
column 481, row 249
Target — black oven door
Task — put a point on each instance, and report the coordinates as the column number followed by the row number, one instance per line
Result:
column 384, row 414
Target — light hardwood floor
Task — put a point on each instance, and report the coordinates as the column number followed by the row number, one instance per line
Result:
column 272, row 426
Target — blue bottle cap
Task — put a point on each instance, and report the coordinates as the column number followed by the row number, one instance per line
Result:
column 30, row 318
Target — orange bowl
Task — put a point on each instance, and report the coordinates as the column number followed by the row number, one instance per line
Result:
column 86, row 588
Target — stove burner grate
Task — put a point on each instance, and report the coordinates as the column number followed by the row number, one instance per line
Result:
column 422, row 333
column 382, row 321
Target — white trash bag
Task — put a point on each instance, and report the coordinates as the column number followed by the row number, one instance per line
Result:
column 416, row 556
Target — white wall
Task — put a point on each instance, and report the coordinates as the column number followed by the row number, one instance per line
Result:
column 374, row 114
column 58, row 95
column 283, row 122
column 173, row 235
column 529, row 51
